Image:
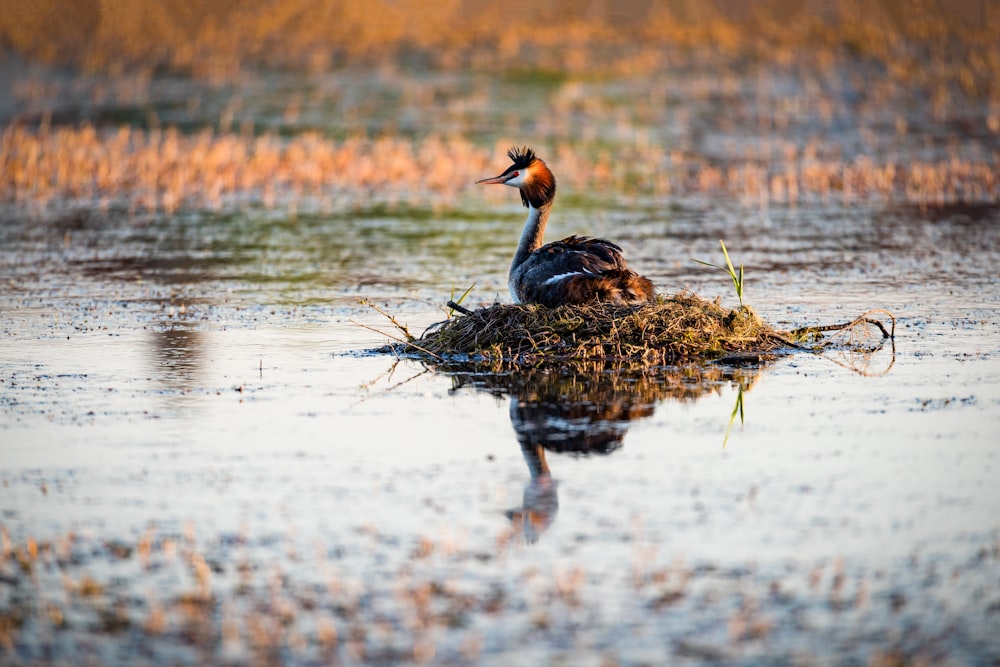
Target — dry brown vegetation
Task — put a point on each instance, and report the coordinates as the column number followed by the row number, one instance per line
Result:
column 164, row 170
column 672, row 329
column 221, row 36
column 230, row 601
column 167, row 170
column 944, row 59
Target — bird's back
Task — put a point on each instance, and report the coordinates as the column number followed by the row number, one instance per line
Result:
column 578, row 270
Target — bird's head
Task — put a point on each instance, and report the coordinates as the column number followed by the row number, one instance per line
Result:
column 529, row 175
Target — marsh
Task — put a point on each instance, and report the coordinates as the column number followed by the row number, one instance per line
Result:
column 202, row 461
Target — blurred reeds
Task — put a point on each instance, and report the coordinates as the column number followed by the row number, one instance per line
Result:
column 164, row 170
column 942, row 58
column 218, row 36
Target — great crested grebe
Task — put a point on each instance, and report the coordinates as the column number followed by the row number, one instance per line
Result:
column 575, row 270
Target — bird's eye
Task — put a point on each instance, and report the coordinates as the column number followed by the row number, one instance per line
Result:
column 515, row 174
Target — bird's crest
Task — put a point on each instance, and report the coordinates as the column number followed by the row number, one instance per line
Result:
column 522, row 157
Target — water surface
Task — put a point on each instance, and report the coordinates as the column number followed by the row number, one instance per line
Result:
column 202, row 462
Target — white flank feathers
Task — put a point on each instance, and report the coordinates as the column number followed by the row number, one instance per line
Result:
column 562, row 276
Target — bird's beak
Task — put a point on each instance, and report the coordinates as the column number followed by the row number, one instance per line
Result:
column 501, row 179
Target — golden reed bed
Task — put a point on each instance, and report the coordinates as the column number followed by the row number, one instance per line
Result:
column 216, row 38
column 163, row 171
column 943, row 57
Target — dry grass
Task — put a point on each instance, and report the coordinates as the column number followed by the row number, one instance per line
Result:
column 927, row 68
column 679, row 328
column 270, row 599
column 594, row 338
column 163, row 171
column 929, row 72
column 218, row 37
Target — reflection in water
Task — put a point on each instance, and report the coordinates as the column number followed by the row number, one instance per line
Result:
column 867, row 363
column 587, row 410
column 176, row 357
column 541, row 502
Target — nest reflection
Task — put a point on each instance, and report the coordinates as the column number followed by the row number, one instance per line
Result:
column 586, row 409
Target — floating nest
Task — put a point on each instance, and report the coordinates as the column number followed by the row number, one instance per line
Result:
column 672, row 329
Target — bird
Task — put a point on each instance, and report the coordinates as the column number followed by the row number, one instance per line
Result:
column 576, row 270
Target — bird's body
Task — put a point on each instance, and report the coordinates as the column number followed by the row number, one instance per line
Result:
column 575, row 270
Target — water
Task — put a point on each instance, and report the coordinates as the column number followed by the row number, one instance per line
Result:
column 202, row 463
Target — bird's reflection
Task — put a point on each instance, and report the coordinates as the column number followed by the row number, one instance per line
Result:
column 587, row 410
column 541, row 501
column 176, row 357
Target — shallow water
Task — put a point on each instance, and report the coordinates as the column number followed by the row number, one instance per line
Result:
column 201, row 462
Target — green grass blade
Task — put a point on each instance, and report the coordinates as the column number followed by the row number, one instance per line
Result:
column 729, row 263
column 451, row 311
column 737, row 278
column 714, row 266
column 739, row 286
column 466, row 293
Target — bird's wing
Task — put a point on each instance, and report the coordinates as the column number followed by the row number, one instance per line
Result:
column 580, row 253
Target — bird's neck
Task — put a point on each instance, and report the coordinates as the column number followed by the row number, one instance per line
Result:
column 533, row 233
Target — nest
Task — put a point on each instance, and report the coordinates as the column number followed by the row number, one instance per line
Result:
column 669, row 330
column 672, row 330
